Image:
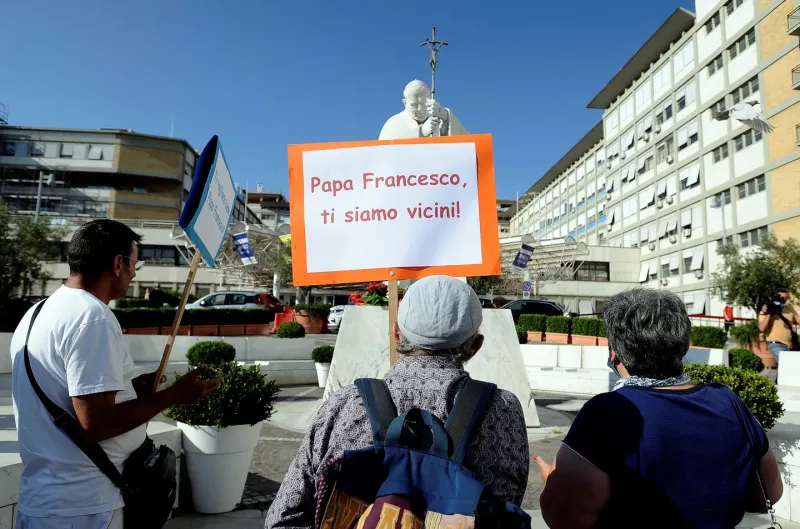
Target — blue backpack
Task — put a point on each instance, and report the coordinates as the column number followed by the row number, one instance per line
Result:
column 412, row 476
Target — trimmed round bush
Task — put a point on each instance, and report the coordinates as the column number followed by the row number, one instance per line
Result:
column 522, row 334
column 758, row 392
column 745, row 359
column 212, row 353
column 711, row 337
column 322, row 354
column 291, row 329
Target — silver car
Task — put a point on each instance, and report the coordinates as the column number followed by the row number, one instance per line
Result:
column 335, row 318
column 229, row 300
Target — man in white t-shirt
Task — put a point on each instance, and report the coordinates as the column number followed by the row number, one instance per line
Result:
column 81, row 361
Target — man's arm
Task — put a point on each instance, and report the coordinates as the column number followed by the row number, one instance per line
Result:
column 102, row 418
column 764, row 319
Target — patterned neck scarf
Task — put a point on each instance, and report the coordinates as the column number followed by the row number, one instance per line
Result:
column 644, row 382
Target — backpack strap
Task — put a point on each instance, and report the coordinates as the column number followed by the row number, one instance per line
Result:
column 467, row 415
column 379, row 405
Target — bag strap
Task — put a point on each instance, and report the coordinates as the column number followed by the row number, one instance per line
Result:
column 379, row 405
column 791, row 330
column 69, row 425
column 756, row 462
column 467, row 415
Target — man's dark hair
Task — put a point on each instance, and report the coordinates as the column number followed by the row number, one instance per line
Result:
column 781, row 291
column 649, row 330
column 96, row 244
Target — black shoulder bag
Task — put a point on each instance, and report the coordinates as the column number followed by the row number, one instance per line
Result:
column 767, row 507
column 795, row 341
column 148, row 481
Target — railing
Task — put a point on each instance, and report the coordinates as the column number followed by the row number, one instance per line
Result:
column 793, row 19
column 796, row 76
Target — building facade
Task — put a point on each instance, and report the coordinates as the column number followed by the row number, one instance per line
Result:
column 272, row 209
column 139, row 179
column 660, row 174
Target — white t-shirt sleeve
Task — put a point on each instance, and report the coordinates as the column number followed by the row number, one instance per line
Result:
column 93, row 360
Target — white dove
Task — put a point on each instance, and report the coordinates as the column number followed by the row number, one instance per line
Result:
column 747, row 114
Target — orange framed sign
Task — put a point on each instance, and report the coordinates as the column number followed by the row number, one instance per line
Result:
column 400, row 209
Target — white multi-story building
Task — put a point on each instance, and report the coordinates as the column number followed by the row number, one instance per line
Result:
column 660, row 174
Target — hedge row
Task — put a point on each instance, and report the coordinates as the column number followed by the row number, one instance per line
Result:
column 562, row 324
column 711, row 337
column 137, row 318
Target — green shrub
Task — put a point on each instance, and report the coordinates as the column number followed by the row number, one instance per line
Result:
column 745, row 335
column 587, row 326
column 758, row 392
column 290, row 329
column 322, row 354
column 315, row 311
column 522, row 334
column 133, row 303
column 560, row 324
column 601, row 328
column 745, row 359
column 244, row 397
column 212, row 353
column 532, row 322
column 711, row 337
column 152, row 317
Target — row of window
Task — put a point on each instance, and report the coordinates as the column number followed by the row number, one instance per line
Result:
column 80, row 151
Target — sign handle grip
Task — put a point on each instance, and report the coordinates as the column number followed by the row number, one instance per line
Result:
column 392, row 320
column 162, row 368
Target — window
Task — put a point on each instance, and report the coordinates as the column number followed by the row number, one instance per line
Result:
column 744, row 42
column 665, row 114
column 664, row 150
column 728, row 241
column 687, row 264
column 158, row 255
column 726, row 197
column 667, row 270
column 720, row 153
column 732, row 5
column 684, row 58
column 643, row 96
column 687, row 136
column 66, row 150
column 591, row 271
column 746, row 90
column 751, row 187
column 612, row 122
column 715, row 65
column 661, row 78
column 753, row 237
column 690, row 177
column 10, row 148
column 685, row 96
column 626, row 110
column 37, row 149
column 713, row 23
column 747, row 139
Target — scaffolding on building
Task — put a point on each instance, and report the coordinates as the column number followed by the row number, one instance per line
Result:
column 3, row 114
column 552, row 260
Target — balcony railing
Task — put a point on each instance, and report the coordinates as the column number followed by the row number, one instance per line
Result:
column 796, row 78
column 793, row 22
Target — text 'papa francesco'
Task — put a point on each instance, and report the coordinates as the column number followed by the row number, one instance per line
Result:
column 436, row 211
column 370, row 181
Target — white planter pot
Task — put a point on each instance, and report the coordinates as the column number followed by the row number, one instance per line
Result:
column 217, row 461
column 322, row 373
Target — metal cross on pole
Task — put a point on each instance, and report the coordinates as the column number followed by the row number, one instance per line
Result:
column 435, row 46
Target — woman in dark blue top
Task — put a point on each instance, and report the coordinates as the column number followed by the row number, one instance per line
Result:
column 659, row 450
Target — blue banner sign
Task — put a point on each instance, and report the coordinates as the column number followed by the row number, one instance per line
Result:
column 244, row 249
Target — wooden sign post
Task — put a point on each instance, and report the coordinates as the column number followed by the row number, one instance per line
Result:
column 205, row 219
column 393, row 210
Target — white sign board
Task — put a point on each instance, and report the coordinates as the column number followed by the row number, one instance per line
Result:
column 409, row 205
column 209, row 225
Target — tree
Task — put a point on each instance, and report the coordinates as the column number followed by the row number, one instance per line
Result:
column 25, row 245
column 485, row 284
column 749, row 278
column 272, row 255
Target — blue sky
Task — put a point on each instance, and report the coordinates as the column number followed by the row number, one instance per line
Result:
column 262, row 74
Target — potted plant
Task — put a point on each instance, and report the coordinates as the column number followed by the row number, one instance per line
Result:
column 257, row 321
column 534, row 325
column 749, row 337
column 221, row 431
column 584, row 331
column 558, row 329
column 322, row 357
column 204, row 322
column 312, row 317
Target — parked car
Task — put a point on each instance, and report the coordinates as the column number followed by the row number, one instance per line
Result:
column 487, row 303
column 532, row 306
column 335, row 318
column 240, row 299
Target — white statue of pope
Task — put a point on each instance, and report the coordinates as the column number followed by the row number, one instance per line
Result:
column 422, row 117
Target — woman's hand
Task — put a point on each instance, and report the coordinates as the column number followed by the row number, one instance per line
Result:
column 545, row 468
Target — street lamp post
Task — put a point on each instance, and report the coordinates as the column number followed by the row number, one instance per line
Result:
column 719, row 202
column 50, row 179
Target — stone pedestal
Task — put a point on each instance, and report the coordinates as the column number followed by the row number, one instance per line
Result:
column 362, row 350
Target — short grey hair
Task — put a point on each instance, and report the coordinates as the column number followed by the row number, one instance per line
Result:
column 649, row 330
column 462, row 352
